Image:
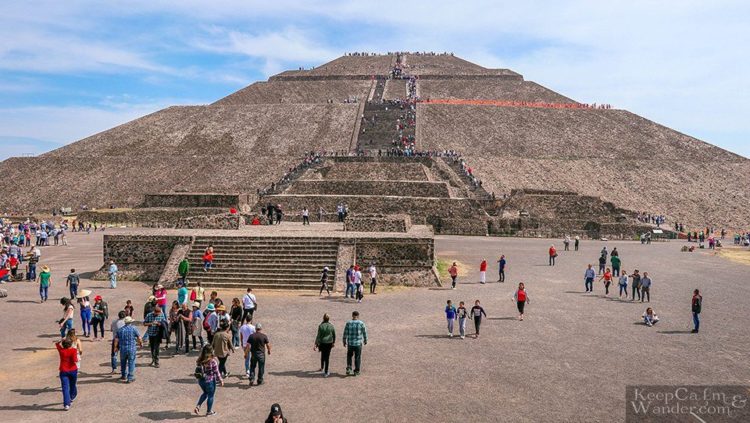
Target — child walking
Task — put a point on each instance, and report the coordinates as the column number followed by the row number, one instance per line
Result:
column 450, row 315
column 462, row 314
column 623, row 283
column 477, row 312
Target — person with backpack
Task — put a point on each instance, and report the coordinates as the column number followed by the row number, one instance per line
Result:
column 72, row 283
column 198, row 294
column 100, row 313
column 249, row 304
column 696, row 306
column 207, row 372
column 521, row 297
column 450, row 314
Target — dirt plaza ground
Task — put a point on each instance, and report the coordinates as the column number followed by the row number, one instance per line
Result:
column 569, row 360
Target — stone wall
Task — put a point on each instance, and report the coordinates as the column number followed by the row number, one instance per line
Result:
column 374, row 223
column 459, row 226
column 392, row 188
column 397, row 254
column 152, row 217
column 179, row 199
column 140, row 257
column 216, row 221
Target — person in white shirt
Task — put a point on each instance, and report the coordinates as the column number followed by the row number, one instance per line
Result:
column 373, row 277
column 357, row 276
column 246, row 331
column 249, row 304
column 305, row 216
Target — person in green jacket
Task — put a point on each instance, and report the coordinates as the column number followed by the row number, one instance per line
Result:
column 324, row 342
column 615, row 265
column 183, row 269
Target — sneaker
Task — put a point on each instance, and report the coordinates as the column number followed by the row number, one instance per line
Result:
column 348, row 372
column 260, row 382
column 66, row 408
column 462, row 336
column 356, row 373
column 210, row 413
column 450, row 335
column 694, row 331
column 326, row 374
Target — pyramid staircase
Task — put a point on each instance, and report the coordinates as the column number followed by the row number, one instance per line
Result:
column 264, row 262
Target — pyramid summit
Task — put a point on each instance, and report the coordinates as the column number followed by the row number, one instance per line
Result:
column 512, row 136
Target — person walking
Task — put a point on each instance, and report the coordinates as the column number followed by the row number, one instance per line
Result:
column 501, row 269
column 68, row 371
column 72, row 282
column 623, row 284
column 349, row 281
column 207, row 371
column 100, row 313
column 566, row 243
column 112, row 273
column 44, row 279
column 696, row 306
column 355, row 337
column 577, row 242
column 114, row 327
column 155, row 322
column 259, row 344
column 588, row 279
column 324, row 342
column 183, row 269
column 276, row 415
column 453, row 271
column 249, row 304
column 477, row 312
column 521, row 297
column 646, row 287
column 602, row 263
column 66, row 323
column 246, row 331
column 373, row 277
column 324, row 281
column 357, row 275
column 127, row 340
column 636, row 284
column 222, row 345
column 552, row 255
column 451, row 315
column 235, row 314
column 462, row 314
column 196, row 324
column 607, row 278
column 615, row 261
column 198, row 294
column 85, row 305
column 483, row 271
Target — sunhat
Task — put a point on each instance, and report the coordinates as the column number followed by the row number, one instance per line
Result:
column 84, row 293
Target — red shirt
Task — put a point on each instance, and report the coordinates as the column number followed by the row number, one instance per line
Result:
column 453, row 271
column 608, row 276
column 483, row 266
column 208, row 257
column 521, row 295
column 68, row 358
column 13, row 262
column 552, row 251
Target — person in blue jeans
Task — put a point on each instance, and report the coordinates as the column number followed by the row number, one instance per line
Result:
column 127, row 341
column 66, row 323
column 589, row 279
column 697, row 305
column 68, row 371
column 451, row 315
column 209, row 374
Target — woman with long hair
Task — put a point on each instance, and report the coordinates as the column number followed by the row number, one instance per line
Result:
column 207, row 367
column 324, row 341
column 235, row 313
column 66, row 323
column 76, row 344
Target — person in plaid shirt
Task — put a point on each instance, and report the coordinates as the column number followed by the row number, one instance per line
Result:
column 154, row 321
column 355, row 336
column 125, row 342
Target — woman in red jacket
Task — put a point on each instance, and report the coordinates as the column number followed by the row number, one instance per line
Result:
column 208, row 258
column 552, row 255
column 483, row 271
column 68, row 371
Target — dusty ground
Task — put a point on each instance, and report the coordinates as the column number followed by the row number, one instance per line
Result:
column 570, row 360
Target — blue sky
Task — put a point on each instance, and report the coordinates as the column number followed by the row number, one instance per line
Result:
column 72, row 68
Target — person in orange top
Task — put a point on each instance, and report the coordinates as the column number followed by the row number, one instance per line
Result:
column 208, row 259
column 453, row 271
column 255, row 221
column 483, row 271
column 68, row 371
column 607, row 277
column 552, row 255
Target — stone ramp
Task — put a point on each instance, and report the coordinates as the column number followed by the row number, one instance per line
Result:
column 264, row 263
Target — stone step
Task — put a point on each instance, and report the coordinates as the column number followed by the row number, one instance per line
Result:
column 255, row 254
column 249, row 270
column 261, row 261
column 262, row 286
column 268, row 246
column 245, row 280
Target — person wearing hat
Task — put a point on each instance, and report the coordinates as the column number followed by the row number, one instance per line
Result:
column 324, row 282
column 197, row 324
column 100, row 314
column 126, row 343
column 161, row 298
column 44, row 279
column 85, row 305
column 112, row 273
column 155, row 322
column 211, row 322
column 258, row 346
column 149, row 306
column 113, row 328
column 276, row 415
column 222, row 345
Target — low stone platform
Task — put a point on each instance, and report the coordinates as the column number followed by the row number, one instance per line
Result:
column 286, row 256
